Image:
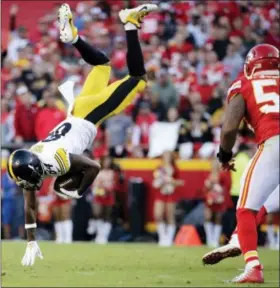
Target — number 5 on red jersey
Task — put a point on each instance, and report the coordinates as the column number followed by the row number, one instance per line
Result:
column 261, row 96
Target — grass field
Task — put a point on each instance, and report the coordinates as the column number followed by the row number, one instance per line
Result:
column 142, row 265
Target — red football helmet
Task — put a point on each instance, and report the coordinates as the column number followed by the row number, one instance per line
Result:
column 261, row 57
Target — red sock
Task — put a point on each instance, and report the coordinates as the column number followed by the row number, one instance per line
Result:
column 247, row 235
column 260, row 216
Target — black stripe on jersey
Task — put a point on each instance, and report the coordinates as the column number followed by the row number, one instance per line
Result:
column 117, row 97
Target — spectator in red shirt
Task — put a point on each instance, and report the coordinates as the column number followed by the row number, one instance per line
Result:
column 100, row 148
column 181, row 43
column 272, row 36
column 41, row 29
column 48, row 116
column 25, row 116
column 204, row 89
column 141, row 130
column 47, row 43
column 237, row 27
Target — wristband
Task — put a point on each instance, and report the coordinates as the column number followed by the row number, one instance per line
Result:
column 30, row 226
column 223, row 156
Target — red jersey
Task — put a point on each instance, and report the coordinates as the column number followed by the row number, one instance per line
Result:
column 145, row 122
column 261, row 95
column 46, row 119
column 25, row 119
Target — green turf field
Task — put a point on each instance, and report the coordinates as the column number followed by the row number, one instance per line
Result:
column 144, row 265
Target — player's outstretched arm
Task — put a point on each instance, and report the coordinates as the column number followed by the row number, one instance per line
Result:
column 234, row 113
column 89, row 167
column 32, row 250
column 30, row 213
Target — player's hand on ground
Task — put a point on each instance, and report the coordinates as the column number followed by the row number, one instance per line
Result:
column 229, row 166
column 32, row 251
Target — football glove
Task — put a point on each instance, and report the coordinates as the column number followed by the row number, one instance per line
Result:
column 63, row 193
column 32, row 251
column 223, row 156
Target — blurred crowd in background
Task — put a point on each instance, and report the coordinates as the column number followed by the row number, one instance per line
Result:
column 192, row 50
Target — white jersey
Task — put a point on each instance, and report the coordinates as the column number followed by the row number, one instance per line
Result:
column 73, row 135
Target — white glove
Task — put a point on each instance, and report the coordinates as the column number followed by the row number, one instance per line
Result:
column 68, row 194
column 32, row 250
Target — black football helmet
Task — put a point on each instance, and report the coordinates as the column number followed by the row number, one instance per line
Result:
column 25, row 168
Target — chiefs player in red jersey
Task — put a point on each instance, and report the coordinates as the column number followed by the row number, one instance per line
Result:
column 255, row 98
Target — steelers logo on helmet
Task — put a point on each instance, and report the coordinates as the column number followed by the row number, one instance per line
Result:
column 24, row 165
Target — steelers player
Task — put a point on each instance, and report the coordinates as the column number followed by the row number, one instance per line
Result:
column 61, row 151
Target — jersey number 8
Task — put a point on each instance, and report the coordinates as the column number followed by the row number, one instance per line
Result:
column 60, row 131
column 263, row 97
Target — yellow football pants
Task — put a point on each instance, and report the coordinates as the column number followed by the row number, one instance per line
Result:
column 98, row 101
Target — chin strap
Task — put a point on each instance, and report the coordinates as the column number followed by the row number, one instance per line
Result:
column 249, row 77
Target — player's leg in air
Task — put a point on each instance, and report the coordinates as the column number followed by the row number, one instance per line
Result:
column 232, row 249
column 98, row 78
column 98, row 101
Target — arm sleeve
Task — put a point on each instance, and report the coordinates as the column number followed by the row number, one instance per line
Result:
column 234, row 90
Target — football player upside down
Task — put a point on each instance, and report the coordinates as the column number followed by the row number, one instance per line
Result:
column 60, row 152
